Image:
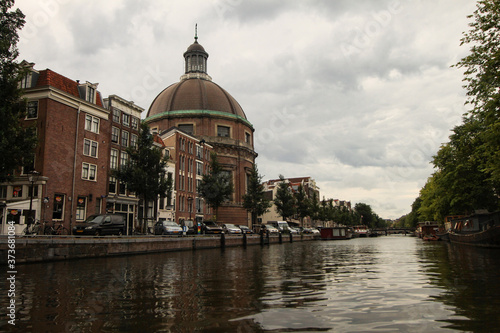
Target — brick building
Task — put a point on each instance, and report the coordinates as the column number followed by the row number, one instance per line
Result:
column 125, row 118
column 189, row 160
column 204, row 110
column 72, row 156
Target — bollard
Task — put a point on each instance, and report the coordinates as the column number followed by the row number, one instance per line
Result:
column 280, row 238
column 222, row 240
column 194, row 244
column 245, row 240
column 291, row 238
column 261, row 238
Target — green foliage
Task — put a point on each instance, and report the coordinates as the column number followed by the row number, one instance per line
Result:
column 17, row 143
column 255, row 200
column 216, row 186
column 468, row 166
column 482, row 81
column 314, row 207
column 284, row 200
column 145, row 171
column 365, row 215
column 303, row 203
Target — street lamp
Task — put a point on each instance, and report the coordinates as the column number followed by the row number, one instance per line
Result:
column 32, row 178
column 190, row 205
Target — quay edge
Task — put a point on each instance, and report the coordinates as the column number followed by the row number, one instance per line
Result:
column 30, row 249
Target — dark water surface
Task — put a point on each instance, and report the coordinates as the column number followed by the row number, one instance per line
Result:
column 384, row 284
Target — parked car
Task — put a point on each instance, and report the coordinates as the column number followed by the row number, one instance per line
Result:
column 267, row 228
column 245, row 229
column 105, row 224
column 210, row 227
column 231, row 229
column 167, row 228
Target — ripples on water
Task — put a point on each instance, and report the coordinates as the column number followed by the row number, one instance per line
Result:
column 385, row 284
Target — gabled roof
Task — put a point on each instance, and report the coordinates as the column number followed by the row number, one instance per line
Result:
column 48, row 77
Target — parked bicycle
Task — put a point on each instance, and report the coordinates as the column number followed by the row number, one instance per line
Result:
column 32, row 229
column 54, row 229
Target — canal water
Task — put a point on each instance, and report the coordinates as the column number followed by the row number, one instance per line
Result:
column 383, row 284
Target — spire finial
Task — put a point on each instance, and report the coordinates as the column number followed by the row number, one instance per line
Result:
column 196, row 32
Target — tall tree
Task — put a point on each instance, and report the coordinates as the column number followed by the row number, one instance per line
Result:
column 482, row 81
column 365, row 213
column 303, row 204
column 468, row 166
column 145, row 171
column 255, row 201
column 17, row 143
column 314, row 208
column 216, row 186
column 284, row 200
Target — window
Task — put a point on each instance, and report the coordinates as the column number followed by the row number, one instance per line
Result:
column 199, row 168
column 113, row 160
column 27, row 80
column 17, row 191
column 223, row 131
column 123, row 159
column 135, row 123
column 199, row 152
column 248, row 137
column 125, row 136
column 122, row 189
column 81, row 205
column 115, row 134
column 3, row 192
column 89, row 171
column 133, row 140
column 112, row 185
column 116, row 115
column 90, row 96
column 92, row 123
column 58, row 208
column 187, row 128
column 32, row 110
column 89, row 148
column 126, row 119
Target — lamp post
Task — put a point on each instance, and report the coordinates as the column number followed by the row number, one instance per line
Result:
column 32, row 178
column 190, row 204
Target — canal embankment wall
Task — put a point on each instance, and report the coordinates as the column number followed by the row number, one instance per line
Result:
column 29, row 249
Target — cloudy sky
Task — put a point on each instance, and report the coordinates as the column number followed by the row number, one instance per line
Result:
column 356, row 94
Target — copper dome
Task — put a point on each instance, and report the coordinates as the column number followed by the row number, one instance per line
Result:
column 195, row 94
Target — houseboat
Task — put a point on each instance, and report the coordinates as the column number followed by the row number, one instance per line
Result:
column 479, row 229
column 332, row 233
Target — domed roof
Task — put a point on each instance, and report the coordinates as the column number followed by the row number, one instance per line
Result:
column 195, row 47
column 195, row 94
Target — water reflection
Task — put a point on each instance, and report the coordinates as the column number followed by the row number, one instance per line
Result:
column 382, row 284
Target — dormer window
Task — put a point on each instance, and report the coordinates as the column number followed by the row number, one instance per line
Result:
column 29, row 80
column 88, row 91
column 90, row 96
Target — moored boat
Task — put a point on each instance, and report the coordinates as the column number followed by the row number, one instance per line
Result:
column 332, row 233
column 479, row 229
column 361, row 231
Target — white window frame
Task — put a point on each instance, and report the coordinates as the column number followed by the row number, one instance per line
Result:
column 92, row 123
column 90, row 148
column 89, row 171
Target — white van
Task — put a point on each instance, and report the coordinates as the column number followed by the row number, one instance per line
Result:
column 282, row 226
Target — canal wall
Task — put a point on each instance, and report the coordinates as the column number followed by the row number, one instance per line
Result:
column 53, row 248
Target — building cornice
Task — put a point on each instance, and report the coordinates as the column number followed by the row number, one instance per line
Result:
column 66, row 99
column 197, row 113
